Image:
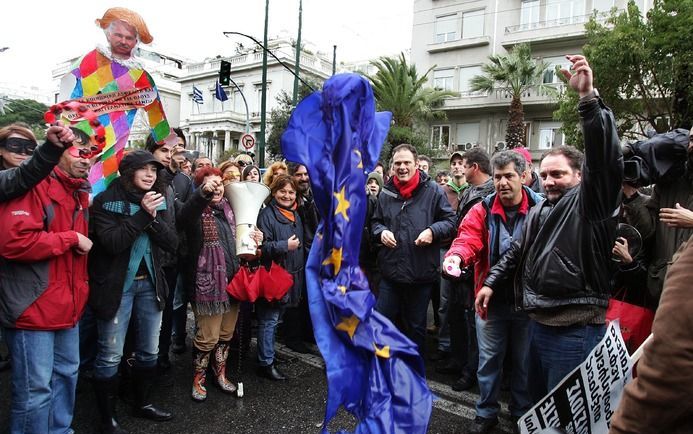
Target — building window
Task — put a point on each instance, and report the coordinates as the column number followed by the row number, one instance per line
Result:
column 446, row 28
column 468, row 133
column 258, row 97
column 442, row 79
column 565, row 11
column 238, row 105
column 549, row 136
column 440, row 137
column 473, row 24
column 529, row 14
column 466, row 74
column 603, row 6
column 550, row 75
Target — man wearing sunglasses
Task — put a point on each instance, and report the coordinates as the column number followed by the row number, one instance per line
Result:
column 22, row 163
column 44, row 288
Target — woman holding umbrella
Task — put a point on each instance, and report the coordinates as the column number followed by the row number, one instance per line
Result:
column 210, row 227
column 283, row 244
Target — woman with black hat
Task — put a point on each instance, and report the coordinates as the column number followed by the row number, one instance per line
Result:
column 131, row 228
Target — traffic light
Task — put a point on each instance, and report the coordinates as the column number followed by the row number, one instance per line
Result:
column 225, row 73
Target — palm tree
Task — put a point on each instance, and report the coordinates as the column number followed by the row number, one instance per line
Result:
column 398, row 88
column 514, row 73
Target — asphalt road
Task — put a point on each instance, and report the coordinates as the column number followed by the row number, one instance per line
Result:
column 294, row 406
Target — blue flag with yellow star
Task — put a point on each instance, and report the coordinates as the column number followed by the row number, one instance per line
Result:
column 373, row 370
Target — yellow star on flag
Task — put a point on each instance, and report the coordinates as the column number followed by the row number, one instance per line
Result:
column 335, row 259
column 342, row 204
column 383, row 352
column 349, row 325
column 360, row 164
column 342, row 289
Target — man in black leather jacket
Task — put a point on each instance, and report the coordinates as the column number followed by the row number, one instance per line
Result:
column 562, row 266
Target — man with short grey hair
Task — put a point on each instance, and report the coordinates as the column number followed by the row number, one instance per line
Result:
column 486, row 232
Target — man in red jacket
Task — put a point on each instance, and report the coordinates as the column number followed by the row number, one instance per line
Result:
column 485, row 234
column 43, row 292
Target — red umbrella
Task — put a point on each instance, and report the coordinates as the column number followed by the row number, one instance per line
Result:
column 250, row 284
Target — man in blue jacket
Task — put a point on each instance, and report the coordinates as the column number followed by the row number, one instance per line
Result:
column 561, row 269
column 411, row 220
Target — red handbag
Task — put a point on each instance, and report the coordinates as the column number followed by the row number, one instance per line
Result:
column 636, row 321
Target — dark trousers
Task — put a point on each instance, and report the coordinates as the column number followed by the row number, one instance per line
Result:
column 408, row 302
column 297, row 325
column 463, row 343
column 171, row 275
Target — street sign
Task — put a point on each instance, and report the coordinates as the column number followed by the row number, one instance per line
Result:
column 248, row 141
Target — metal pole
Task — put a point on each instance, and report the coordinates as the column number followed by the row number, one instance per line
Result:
column 298, row 52
column 247, row 112
column 334, row 59
column 263, row 105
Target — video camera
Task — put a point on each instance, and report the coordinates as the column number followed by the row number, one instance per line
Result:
column 659, row 158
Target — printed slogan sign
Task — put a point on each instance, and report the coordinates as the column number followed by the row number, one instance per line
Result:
column 585, row 400
column 113, row 101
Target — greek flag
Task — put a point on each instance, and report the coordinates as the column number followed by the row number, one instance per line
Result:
column 197, row 95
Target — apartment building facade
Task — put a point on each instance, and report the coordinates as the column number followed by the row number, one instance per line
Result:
column 458, row 36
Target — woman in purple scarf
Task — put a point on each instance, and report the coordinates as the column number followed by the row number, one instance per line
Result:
column 210, row 265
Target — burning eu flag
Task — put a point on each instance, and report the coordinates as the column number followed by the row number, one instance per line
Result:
column 373, row 370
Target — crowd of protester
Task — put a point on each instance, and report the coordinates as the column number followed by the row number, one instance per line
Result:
column 519, row 266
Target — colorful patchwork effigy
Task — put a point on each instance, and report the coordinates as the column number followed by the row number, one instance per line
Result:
column 115, row 92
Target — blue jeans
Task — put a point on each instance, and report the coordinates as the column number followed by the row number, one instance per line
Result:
column 44, row 378
column 502, row 328
column 140, row 299
column 408, row 302
column 555, row 351
column 267, row 320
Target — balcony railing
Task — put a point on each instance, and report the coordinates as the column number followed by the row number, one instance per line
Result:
column 578, row 19
column 286, row 55
column 533, row 95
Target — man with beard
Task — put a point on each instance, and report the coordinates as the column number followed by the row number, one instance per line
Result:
column 561, row 268
column 667, row 217
column 412, row 219
column 44, row 289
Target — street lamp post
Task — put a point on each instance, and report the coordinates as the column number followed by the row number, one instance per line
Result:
column 298, row 52
column 263, row 104
column 247, row 112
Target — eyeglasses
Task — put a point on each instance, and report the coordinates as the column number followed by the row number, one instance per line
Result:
column 242, row 163
column 20, row 146
column 85, row 153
